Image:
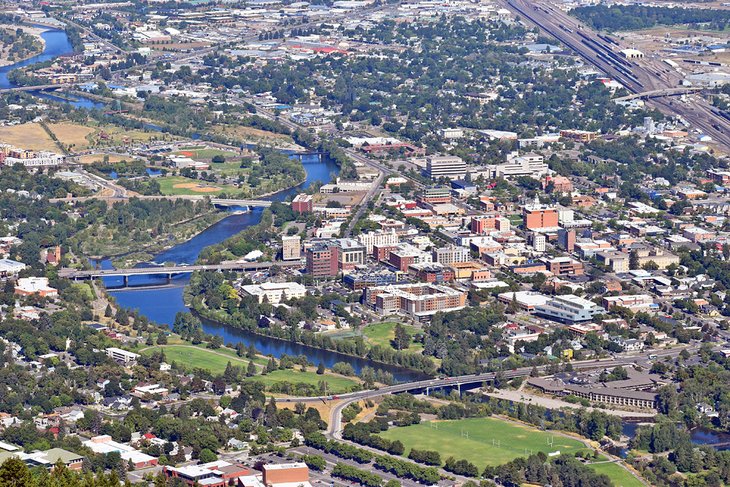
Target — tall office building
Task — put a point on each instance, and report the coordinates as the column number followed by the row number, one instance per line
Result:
column 451, row 167
column 291, row 248
column 536, row 215
column 322, row 260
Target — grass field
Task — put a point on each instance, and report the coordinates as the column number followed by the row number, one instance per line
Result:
column 382, row 334
column 28, row 136
column 335, row 384
column 619, row 476
column 490, row 441
column 190, row 356
column 217, row 360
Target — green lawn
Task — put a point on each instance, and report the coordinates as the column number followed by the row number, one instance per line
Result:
column 336, row 384
column 217, row 360
column 619, row 476
column 190, row 356
column 382, row 334
column 490, row 441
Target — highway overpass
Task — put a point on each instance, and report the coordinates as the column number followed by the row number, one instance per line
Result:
column 685, row 90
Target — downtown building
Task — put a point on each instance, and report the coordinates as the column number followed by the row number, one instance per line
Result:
column 451, row 167
column 328, row 258
column 419, row 301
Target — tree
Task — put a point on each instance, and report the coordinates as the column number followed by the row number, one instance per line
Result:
column 251, row 369
column 207, row 455
column 218, row 159
column 15, row 473
column 108, row 312
column 320, row 369
column 402, row 339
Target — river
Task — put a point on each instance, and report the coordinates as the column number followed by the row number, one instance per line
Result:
column 161, row 304
column 56, row 44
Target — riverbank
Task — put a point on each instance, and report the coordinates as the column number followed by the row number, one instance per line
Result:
column 400, row 359
column 38, row 42
column 122, row 254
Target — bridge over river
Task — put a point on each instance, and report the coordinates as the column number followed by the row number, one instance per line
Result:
column 170, row 271
column 466, row 382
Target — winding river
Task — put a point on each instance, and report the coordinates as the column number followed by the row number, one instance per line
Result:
column 162, row 303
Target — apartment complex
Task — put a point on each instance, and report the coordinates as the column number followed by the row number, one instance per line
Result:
column 418, row 300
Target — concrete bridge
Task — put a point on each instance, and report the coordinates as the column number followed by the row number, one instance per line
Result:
column 191, row 197
column 38, row 87
column 235, row 202
column 170, row 271
column 684, row 90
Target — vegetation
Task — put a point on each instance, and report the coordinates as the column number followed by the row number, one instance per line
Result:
column 633, row 17
column 16, row 45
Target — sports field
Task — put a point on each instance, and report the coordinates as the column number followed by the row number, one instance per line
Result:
column 482, row 441
column 178, row 185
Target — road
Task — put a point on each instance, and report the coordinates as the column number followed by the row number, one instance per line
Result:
column 69, row 273
column 335, row 421
column 637, row 75
column 375, row 189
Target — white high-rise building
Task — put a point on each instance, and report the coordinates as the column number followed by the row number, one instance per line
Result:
column 451, row 167
column 378, row 238
column 291, row 247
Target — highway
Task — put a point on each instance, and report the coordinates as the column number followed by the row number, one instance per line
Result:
column 637, row 75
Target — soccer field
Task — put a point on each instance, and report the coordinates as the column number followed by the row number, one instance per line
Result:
column 482, row 441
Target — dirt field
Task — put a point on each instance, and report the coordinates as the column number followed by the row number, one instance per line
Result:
column 255, row 135
column 92, row 158
column 324, row 409
column 71, row 134
column 27, row 136
column 197, row 188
